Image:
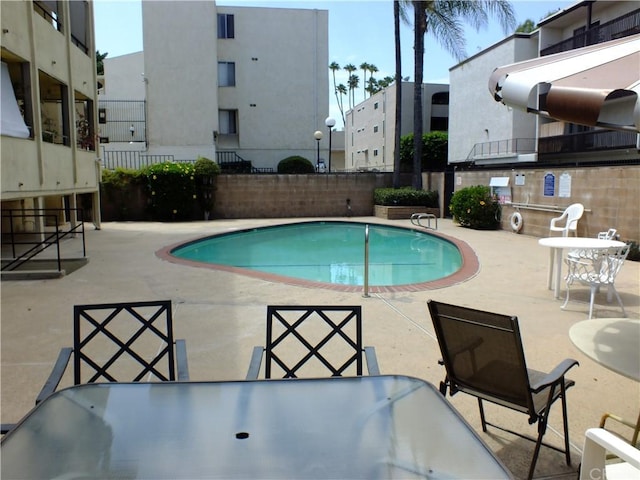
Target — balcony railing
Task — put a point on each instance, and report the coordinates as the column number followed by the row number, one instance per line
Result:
column 620, row 27
column 503, row 148
column 587, row 142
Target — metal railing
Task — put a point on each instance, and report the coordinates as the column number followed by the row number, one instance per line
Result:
column 511, row 146
column 36, row 242
column 131, row 159
column 587, row 142
column 620, row 27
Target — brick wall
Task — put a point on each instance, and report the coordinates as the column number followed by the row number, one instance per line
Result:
column 274, row 196
column 610, row 195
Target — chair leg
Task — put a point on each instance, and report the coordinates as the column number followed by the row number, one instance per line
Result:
column 482, row 419
column 565, row 421
column 615, row 292
column 566, row 300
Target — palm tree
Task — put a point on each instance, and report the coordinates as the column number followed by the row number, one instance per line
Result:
column 397, row 11
column 350, row 68
column 353, row 83
column 341, row 90
column 365, row 68
column 443, row 19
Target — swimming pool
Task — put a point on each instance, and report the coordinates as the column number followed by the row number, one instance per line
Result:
column 329, row 252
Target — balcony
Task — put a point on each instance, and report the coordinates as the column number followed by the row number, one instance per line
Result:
column 620, row 27
column 592, row 141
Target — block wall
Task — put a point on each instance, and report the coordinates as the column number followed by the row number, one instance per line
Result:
column 610, row 195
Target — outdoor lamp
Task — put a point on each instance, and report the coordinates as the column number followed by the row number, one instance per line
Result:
column 318, row 136
column 330, row 123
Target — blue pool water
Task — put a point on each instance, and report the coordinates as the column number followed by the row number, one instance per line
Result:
column 331, row 252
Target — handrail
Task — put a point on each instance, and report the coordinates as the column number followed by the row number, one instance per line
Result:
column 44, row 240
column 366, row 261
column 540, row 208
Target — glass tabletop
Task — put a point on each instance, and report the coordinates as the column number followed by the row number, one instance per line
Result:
column 359, row 427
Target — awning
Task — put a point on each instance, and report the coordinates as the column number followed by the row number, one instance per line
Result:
column 598, row 85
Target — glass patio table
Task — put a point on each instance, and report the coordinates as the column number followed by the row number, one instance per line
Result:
column 358, row 427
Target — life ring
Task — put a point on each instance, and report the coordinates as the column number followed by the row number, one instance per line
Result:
column 516, row 222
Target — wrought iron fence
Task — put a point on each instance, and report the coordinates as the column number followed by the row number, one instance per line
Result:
column 122, row 121
column 503, row 147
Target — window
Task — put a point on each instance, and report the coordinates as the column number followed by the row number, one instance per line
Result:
column 17, row 117
column 375, row 129
column 375, row 106
column 54, row 111
column 226, row 74
column 375, row 152
column 78, row 11
column 50, row 11
column 228, row 122
column 225, row 26
column 439, row 124
column 440, row 98
column 85, row 128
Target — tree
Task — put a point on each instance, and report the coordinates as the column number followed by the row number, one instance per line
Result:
column 350, row 68
column 334, row 67
column 398, row 112
column 341, row 90
column 100, row 62
column 353, row 83
column 365, row 68
column 443, row 19
column 527, row 26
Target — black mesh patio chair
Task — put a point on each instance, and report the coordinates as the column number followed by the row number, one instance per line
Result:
column 483, row 356
column 130, row 341
column 301, row 339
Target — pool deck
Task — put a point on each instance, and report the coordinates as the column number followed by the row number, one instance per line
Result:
column 221, row 315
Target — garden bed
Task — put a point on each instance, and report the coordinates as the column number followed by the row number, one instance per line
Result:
column 402, row 213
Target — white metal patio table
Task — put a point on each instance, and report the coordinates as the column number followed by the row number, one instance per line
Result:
column 556, row 246
column 358, row 427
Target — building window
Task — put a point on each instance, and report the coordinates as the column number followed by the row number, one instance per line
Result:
column 85, row 127
column 228, row 122
column 79, row 12
column 375, row 152
column 440, row 98
column 375, row 106
column 226, row 74
column 439, row 124
column 54, row 111
column 375, row 129
column 225, row 26
column 49, row 10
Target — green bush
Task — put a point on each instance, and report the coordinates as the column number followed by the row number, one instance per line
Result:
column 122, row 189
column 634, row 251
column 434, row 152
column 205, row 171
column 474, row 207
column 295, row 164
column 405, row 196
column 171, row 188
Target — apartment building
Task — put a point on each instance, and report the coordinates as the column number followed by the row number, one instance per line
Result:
column 48, row 114
column 370, row 126
column 228, row 83
column 544, row 164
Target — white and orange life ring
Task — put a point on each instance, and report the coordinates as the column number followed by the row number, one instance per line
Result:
column 516, row 222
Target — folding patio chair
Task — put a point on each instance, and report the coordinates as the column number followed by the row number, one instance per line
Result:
column 483, row 356
column 129, row 341
column 597, row 443
column 302, row 339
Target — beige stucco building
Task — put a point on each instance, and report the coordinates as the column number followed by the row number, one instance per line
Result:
column 370, row 126
column 48, row 114
column 225, row 83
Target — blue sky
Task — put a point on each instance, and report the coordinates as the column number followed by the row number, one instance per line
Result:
column 359, row 31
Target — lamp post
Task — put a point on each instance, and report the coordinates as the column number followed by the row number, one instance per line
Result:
column 330, row 123
column 318, row 136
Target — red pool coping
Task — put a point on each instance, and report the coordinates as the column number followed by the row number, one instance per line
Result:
column 469, row 269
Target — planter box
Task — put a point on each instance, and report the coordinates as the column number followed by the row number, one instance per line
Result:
column 402, row 213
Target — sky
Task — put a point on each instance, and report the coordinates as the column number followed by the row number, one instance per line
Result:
column 359, row 31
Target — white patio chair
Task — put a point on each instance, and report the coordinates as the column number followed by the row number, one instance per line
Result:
column 597, row 443
column 608, row 235
column 596, row 268
column 568, row 221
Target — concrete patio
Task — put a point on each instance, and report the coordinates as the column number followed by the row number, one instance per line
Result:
column 221, row 315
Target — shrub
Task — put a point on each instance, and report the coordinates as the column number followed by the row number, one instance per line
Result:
column 434, row 151
column 634, row 251
column 405, row 196
column 295, row 164
column 123, row 191
column 205, row 171
column 171, row 188
column 474, row 207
